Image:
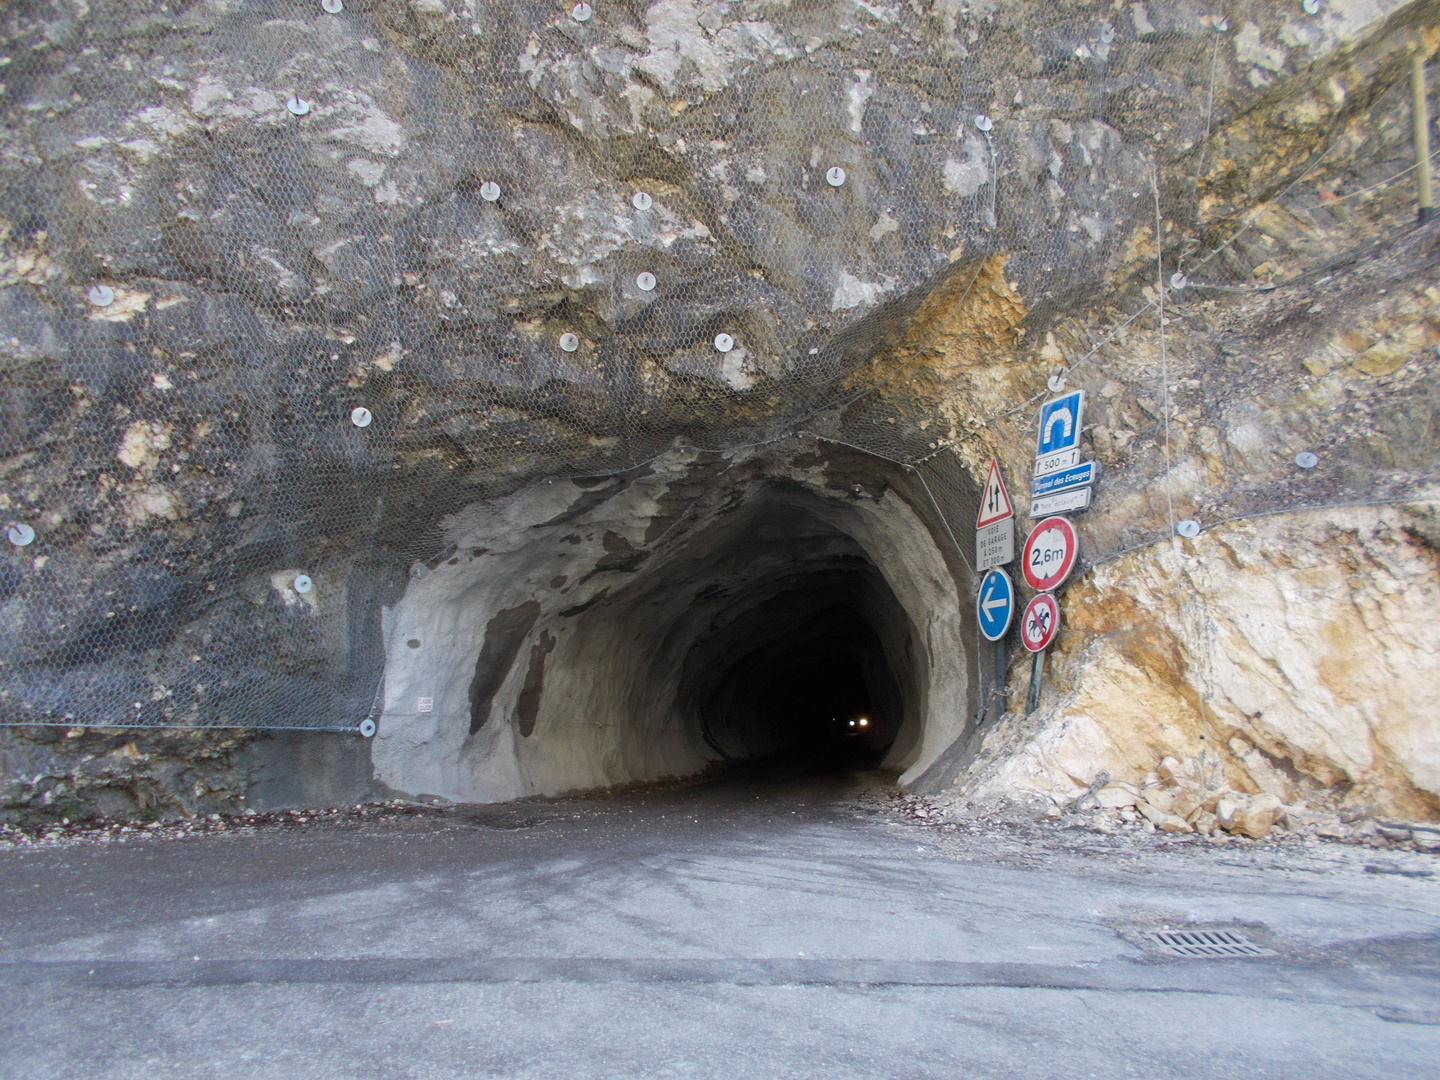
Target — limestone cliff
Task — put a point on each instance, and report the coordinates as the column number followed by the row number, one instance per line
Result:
column 1291, row 655
column 516, row 240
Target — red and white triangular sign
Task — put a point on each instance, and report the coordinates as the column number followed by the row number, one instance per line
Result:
column 994, row 500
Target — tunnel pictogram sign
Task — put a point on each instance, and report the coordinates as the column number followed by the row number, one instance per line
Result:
column 1049, row 554
column 1040, row 622
column 1060, row 423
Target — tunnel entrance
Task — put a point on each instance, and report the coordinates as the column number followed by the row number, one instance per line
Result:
column 812, row 683
column 787, row 622
column 807, row 655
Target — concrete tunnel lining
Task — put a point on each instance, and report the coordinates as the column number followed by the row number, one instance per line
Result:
column 562, row 652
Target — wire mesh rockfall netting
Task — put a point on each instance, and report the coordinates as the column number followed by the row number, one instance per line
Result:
column 287, row 282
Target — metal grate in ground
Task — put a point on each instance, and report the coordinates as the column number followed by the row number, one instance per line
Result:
column 1198, row 944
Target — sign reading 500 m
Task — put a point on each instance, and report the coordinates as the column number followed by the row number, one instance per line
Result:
column 1049, row 554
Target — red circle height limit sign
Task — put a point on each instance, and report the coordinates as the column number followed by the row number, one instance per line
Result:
column 1049, row 554
column 1040, row 622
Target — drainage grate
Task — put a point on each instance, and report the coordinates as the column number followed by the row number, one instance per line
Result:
column 1203, row 943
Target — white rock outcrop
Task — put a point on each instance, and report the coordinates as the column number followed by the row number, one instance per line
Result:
column 1295, row 654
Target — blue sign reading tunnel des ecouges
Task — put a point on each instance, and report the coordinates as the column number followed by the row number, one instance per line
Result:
column 1060, row 423
column 1065, row 479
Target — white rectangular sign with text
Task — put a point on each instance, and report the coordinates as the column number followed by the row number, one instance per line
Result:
column 995, row 544
column 1074, row 499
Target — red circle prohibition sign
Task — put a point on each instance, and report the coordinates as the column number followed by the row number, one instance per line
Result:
column 1040, row 622
column 1049, row 554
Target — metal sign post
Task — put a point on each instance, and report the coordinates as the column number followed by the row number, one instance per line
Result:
column 1038, row 627
column 995, row 547
column 1037, row 668
column 1001, row 698
column 1061, row 483
column 1425, row 202
column 994, row 610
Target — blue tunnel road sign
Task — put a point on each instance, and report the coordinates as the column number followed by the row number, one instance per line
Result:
column 1064, row 480
column 995, row 605
column 1060, row 423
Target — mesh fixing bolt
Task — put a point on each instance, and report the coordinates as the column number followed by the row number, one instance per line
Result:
column 835, row 177
column 334, row 7
column 1189, row 528
column 101, row 295
column 641, row 201
column 20, row 534
column 361, row 416
column 302, row 583
column 581, row 12
column 983, row 122
column 569, row 342
column 298, row 106
column 490, row 191
column 724, row 342
column 645, row 281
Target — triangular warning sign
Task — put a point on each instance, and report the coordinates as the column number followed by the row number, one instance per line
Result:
column 994, row 500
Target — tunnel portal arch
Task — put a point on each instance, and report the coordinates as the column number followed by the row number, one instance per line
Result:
column 659, row 640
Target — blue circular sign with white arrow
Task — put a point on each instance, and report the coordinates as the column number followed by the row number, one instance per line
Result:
column 995, row 605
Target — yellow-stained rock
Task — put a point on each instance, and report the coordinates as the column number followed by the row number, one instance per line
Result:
column 1114, row 796
column 1187, row 803
column 1260, row 816
column 1165, row 822
column 1160, row 799
column 1298, row 649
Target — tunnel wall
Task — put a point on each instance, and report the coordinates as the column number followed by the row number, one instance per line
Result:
column 591, row 690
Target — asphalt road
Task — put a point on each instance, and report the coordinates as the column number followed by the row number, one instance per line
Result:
column 751, row 929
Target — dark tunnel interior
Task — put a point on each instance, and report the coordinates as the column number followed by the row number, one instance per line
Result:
column 806, row 656
column 825, row 708
column 820, row 694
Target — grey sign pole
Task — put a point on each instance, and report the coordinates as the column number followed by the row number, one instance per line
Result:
column 1037, row 668
column 998, row 700
column 1422, row 137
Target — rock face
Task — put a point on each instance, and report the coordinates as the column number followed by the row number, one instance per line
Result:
column 1288, row 656
column 516, row 241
